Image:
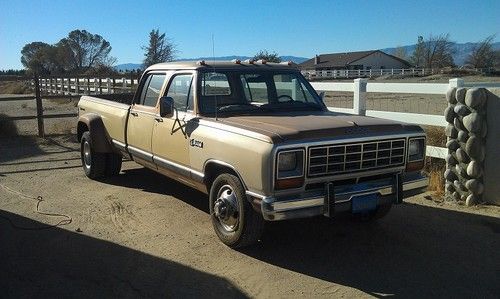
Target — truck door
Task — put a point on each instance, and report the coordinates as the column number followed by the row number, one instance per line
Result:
column 142, row 119
column 171, row 135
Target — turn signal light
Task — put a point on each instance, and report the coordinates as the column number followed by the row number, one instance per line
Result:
column 289, row 183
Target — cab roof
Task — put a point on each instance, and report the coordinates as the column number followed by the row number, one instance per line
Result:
column 205, row 64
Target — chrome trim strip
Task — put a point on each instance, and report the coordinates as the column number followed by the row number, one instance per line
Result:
column 140, row 153
column 119, row 144
column 178, row 168
column 256, row 195
column 416, row 184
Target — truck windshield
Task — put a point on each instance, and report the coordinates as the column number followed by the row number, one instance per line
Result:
column 253, row 91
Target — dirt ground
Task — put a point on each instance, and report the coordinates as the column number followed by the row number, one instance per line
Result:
column 142, row 235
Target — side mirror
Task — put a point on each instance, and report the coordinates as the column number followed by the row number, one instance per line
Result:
column 166, row 106
column 322, row 95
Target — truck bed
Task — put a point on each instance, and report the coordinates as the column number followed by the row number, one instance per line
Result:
column 123, row 98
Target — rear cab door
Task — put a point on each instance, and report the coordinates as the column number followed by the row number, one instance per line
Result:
column 143, row 116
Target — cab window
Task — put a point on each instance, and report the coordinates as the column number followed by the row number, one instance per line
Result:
column 151, row 90
column 180, row 89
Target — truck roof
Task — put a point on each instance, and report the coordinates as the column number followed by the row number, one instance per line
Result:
column 235, row 64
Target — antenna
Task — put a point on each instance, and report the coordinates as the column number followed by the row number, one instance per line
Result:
column 213, row 67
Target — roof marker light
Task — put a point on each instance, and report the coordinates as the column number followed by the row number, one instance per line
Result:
column 262, row 61
column 237, row 61
column 201, row 62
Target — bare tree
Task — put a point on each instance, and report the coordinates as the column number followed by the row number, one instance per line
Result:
column 267, row 56
column 417, row 58
column 438, row 51
column 84, row 50
column 482, row 56
column 160, row 49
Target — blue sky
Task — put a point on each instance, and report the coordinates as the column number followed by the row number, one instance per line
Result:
column 300, row 28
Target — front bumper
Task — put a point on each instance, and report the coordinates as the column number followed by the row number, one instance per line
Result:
column 333, row 199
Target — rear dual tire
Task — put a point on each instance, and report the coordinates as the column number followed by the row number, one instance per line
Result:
column 97, row 165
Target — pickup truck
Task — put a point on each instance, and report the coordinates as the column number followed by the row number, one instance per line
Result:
column 258, row 139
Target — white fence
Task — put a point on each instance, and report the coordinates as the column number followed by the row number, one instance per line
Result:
column 339, row 74
column 76, row 86
column 360, row 87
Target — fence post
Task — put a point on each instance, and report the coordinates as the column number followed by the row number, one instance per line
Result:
column 359, row 100
column 39, row 108
column 108, row 85
column 87, row 86
column 456, row 82
column 124, row 84
column 77, row 85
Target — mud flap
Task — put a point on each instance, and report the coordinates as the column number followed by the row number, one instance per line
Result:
column 329, row 205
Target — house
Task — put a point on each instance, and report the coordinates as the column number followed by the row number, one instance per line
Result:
column 363, row 60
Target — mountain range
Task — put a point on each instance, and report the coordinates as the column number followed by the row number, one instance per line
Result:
column 462, row 50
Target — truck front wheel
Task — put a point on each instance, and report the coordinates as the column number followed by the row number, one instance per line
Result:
column 93, row 163
column 234, row 220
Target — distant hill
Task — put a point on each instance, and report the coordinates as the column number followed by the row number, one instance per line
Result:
column 134, row 66
column 461, row 51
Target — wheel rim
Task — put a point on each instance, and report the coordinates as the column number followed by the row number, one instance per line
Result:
column 87, row 157
column 226, row 208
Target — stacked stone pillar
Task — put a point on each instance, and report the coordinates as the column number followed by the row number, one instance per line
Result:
column 466, row 132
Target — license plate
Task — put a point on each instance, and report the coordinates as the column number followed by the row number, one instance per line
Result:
column 364, row 203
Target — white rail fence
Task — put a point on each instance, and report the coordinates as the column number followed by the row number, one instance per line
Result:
column 369, row 73
column 77, row 86
column 360, row 87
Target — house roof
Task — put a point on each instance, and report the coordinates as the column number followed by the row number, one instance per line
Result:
column 341, row 60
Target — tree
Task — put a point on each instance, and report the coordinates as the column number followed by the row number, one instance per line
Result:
column 400, row 52
column 482, row 55
column 36, row 58
column 83, row 50
column 438, row 51
column 417, row 57
column 267, row 56
column 160, row 49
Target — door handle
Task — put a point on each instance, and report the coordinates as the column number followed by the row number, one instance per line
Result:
column 134, row 113
column 159, row 119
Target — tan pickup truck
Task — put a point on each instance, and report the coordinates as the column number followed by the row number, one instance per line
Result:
column 258, row 139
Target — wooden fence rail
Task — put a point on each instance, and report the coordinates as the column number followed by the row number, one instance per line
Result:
column 39, row 107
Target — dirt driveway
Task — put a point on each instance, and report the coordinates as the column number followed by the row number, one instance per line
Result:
column 142, row 235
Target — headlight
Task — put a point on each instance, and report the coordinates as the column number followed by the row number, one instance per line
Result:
column 290, row 169
column 287, row 161
column 416, row 149
column 416, row 154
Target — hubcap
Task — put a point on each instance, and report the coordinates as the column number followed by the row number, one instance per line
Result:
column 87, row 158
column 226, row 208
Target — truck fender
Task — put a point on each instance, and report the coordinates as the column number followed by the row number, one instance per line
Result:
column 93, row 123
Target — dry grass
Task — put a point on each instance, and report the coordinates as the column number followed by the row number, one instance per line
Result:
column 15, row 87
column 434, row 168
column 435, row 136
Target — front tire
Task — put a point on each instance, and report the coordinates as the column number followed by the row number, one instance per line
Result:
column 93, row 163
column 234, row 220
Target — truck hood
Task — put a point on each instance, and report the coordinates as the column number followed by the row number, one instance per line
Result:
column 315, row 125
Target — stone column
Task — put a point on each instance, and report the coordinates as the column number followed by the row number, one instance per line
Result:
column 466, row 132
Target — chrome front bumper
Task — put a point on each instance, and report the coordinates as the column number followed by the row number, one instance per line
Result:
column 335, row 199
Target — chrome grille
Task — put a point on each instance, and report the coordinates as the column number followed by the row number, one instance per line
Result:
column 353, row 157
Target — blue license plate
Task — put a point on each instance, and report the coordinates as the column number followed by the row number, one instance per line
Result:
column 364, row 203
